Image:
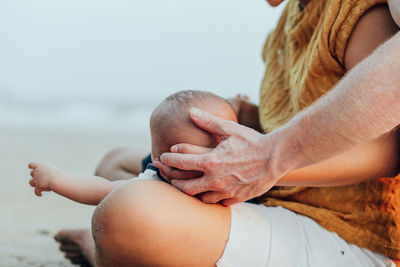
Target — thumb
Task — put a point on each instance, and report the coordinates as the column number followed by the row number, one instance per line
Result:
column 210, row 123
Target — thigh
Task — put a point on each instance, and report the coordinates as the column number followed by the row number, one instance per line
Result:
column 150, row 223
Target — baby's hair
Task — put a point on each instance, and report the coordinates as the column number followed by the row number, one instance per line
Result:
column 184, row 97
column 180, row 103
column 170, row 120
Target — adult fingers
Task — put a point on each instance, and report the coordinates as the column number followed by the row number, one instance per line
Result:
column 229, row 202
column 189, row 149
column 193, row 186
column 210, row 123
column 172, row 173
column 187, row 162
column 211, row 197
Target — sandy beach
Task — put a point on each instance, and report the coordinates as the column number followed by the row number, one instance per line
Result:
column 28, row 223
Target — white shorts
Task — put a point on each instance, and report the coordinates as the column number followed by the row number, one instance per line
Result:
column 273, row 236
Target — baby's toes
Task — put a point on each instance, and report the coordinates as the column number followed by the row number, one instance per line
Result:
column 32, row 183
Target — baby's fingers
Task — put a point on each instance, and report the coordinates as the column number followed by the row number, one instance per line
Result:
column 38, row 191
column 32, row 165
column 32, row 183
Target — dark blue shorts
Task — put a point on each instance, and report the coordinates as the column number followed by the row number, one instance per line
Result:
column 147, row 163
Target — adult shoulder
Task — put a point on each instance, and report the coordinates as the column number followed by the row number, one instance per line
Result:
column 372, row 29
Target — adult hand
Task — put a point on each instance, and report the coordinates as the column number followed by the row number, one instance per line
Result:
column 241, row 167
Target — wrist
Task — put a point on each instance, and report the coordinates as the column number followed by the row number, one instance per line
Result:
column 52, row 185
column 285, row 151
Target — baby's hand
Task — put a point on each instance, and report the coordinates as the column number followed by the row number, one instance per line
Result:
column 42, row 174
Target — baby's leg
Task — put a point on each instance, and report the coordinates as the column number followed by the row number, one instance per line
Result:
column 121, row 163
column 78, row 246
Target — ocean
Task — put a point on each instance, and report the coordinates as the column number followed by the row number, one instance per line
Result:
column 85, row 65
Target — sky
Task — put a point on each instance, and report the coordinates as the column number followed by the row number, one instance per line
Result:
column 133, row 51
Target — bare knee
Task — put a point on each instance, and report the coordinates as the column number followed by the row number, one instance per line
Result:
column 152, row 223
column 124, row 225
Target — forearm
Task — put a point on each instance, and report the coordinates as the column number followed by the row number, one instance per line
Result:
column 362, row 107
column 83, row 189
column 378, row 158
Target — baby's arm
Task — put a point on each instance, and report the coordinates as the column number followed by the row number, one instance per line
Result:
column 83, row 189
column 372, row 160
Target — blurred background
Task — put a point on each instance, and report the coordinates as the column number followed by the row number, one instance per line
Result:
column 78, row 78
column 100, row 63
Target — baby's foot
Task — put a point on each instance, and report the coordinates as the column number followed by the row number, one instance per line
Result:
column 42, row 176
column 78, row 246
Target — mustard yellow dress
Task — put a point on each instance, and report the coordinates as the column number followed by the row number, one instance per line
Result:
column 304, row 59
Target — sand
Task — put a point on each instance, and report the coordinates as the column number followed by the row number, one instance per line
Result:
column 28, row 223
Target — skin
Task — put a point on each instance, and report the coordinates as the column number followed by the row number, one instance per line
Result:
column 282, row 140
column 121, row 163
column 156, row 231
column 118, row 246
column 246, row 164
column 78, row 245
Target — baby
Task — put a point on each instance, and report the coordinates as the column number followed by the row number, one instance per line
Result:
column 169, row 123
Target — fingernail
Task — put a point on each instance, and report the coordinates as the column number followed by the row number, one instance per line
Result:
column 195, row 112
column 157, row 159
column 174, row 149
column 173, row 182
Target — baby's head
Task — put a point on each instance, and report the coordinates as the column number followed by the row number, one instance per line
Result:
column 170, row 123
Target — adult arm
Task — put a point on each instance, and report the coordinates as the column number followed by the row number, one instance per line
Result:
column 362, row 107
column 371, row 160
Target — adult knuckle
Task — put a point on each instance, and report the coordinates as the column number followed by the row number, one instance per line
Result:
column 181, row 164
column 207, row 198
column 217, row 185
column 188, row 190
column 230, row 194
column 180, row 148
column 207, row 119
column 209, row 163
